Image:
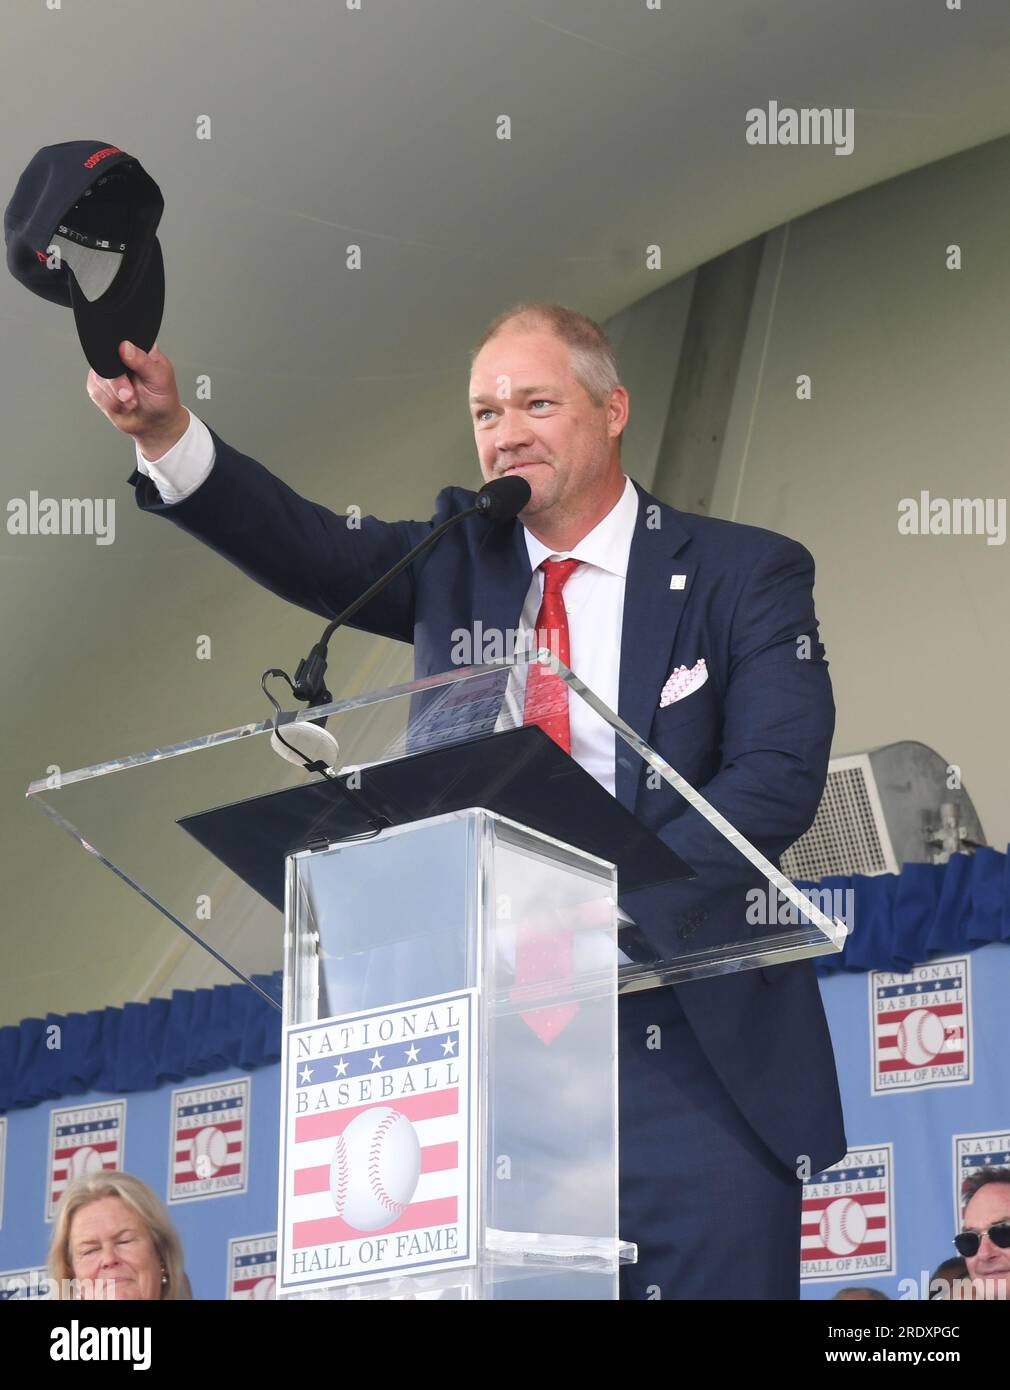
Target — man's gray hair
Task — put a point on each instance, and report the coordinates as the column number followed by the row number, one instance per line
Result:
column 594, row 363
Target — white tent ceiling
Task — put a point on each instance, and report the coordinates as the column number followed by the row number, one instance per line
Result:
column 375, row 126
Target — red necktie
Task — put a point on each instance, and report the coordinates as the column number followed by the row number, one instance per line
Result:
column 546, row 956
column 547, row 694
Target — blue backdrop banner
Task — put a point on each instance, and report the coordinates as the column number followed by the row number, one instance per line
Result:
column 915, row 1008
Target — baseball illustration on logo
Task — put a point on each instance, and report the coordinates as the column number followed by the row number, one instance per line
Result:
column 209, row 1151
column 375, row 1167
column 843, row 1226
column 920, row 1037
column 84, row 1162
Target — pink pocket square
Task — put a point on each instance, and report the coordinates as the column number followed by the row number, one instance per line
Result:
column 684, row 681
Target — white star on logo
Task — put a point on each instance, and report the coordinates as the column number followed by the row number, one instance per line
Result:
column 375, row 1060
column 341, row 1067
column 306, row 1076
column 412, row 1053
column 448, row 1046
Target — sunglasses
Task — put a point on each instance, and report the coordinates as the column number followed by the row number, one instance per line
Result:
column 968, row 1242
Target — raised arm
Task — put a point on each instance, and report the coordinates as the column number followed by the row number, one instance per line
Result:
column 298, row 549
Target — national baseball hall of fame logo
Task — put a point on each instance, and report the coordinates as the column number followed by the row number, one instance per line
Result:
column 920, row 1027
column 209, row 1140
column 252, row 1266
column 378, row 1144
column 847, row 1229
column 83, row 1139
column 991, row 1149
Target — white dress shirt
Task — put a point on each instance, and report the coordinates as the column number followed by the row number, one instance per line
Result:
column 594, row 602
column 185, row 466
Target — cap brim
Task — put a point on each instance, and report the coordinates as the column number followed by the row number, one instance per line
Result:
column 102, row 325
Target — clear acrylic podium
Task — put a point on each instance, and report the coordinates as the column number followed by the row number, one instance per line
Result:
column 446, row 908
column 445, row 911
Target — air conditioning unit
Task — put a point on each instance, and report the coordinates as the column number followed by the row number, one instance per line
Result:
column 891, row 806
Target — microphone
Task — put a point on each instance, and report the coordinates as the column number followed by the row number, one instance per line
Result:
column 500, row 500
column 503, row 498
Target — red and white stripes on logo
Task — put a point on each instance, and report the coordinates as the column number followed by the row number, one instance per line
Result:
column 434, row 1117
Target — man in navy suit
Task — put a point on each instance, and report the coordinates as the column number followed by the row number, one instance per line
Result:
column 728, row 1089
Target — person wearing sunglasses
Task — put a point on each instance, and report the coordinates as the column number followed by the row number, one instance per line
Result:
column 984, row 1238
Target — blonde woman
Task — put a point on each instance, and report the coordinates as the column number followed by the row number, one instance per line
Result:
column 114, row 1239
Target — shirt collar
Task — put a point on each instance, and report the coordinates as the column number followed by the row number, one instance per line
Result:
column 607, row 545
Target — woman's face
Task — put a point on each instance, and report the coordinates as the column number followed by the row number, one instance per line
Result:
column 109, row 1241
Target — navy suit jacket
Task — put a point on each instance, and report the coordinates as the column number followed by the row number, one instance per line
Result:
column 754, row 739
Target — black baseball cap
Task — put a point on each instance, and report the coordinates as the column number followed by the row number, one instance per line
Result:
column 96, row 205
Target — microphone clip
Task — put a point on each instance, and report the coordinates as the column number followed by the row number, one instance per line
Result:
column 310, row 678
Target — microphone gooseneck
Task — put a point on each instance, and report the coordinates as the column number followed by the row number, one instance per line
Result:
column 500, row 500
